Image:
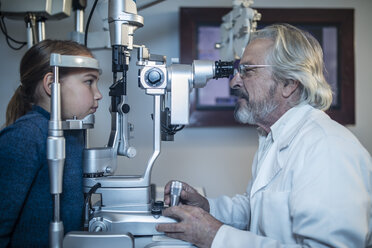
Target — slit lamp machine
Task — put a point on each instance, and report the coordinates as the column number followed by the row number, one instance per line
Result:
column 126, row 213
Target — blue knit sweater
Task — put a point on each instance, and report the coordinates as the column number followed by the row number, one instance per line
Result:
column 25, row 200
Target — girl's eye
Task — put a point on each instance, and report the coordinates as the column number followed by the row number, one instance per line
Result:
column 89, row 82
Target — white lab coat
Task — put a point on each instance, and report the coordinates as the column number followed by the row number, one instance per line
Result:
column 312, row 189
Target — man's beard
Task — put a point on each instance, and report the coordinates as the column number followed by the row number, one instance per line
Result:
column 249, row 112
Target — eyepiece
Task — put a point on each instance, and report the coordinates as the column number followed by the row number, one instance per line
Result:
column 223, row 69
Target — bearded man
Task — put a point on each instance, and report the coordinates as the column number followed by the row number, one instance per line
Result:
column 311, row 180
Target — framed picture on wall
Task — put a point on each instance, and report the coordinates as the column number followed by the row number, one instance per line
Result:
column 334, row 29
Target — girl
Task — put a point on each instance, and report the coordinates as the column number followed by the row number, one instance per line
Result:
column 25, row 200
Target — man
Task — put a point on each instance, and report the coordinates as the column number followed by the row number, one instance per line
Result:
column 311, row 178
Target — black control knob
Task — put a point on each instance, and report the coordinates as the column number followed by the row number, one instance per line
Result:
column 154, row 77
column 157, row 208
column 125, row 108
column 156, row 211
column 159, row 204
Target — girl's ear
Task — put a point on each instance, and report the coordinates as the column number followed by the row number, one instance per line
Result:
column 47, row 83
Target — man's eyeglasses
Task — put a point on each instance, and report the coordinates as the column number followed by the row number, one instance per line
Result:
column 245, row 70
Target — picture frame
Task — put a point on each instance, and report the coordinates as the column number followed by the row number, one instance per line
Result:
column 337, row 22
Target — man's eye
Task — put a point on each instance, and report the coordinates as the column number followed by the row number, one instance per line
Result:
column 248, row 72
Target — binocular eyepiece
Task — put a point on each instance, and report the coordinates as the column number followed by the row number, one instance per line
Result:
column 223, row 69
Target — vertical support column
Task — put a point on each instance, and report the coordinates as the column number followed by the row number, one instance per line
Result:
column 41, row 29
column 157, row 139
column 79, row 21
column 30, row 20
column 56, row 159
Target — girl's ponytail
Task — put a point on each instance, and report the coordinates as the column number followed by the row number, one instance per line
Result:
column 18, row 105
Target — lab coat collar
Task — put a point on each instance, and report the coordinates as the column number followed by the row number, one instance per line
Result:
column 282, row 132
column 289, row 123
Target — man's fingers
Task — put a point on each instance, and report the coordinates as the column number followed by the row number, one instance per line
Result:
column 169, row 228
column 166, row 200
column 174, row 212
column 179, row 212
column 176, row 235
column 187, row 192
column 185, row 195
column 167, row 187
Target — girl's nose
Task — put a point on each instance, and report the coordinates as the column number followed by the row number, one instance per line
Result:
column 97, row 94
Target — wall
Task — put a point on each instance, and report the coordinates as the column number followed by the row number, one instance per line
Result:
column 218, row 159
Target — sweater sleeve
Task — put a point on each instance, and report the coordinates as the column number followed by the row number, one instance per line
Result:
column 20, row 151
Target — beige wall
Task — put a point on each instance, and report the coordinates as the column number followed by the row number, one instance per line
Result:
column 218, row 159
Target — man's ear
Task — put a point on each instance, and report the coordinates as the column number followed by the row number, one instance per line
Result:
column 47, row 83
column 290, row 87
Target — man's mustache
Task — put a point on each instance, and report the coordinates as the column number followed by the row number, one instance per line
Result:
column 240, row 94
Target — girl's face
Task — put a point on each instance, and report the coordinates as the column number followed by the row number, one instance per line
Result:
column 79, row 93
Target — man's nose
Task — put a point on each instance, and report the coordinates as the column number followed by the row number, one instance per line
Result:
column 236, row 82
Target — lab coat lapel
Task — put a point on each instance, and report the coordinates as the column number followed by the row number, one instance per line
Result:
column 276, row 157
column 267, row 170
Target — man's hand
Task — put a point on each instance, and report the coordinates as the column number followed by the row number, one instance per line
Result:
column 189, row 196
column 195, row 225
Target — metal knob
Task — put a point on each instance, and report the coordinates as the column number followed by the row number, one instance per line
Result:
column 175, row 192
column 154, row 77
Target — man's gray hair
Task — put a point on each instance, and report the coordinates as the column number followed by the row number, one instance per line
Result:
column 297, row 56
